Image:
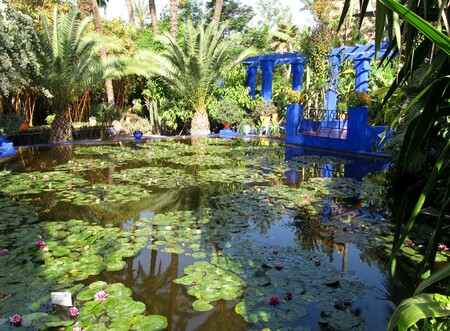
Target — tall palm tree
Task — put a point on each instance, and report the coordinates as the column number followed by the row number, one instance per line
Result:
column 70, row 65
column 152, row 6
column 194, row 68
column 130, row 10
column 286, row 39
column 217, row 11
column 141, row 11
column 99, row 26
column 173, row 17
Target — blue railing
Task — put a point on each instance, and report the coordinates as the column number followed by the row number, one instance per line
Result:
column 322, row 122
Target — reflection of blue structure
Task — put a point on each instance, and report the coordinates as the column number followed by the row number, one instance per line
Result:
column 356, row 168
column 6, row 147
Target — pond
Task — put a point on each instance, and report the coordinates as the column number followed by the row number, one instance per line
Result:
column 193, row 234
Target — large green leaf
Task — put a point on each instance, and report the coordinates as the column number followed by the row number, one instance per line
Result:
column 421, row 306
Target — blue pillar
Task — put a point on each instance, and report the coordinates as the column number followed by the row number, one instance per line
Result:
column 332, row 92
column 362, row 68
column 297, row 75
column 252, row 71
column 267, row 74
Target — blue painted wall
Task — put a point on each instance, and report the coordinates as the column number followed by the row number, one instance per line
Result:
column 361, row 137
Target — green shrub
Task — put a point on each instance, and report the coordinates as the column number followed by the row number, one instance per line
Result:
column 10, row 124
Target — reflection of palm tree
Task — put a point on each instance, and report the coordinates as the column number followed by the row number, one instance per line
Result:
column 224, row 318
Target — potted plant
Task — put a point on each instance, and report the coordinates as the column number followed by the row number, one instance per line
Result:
column 358, row 99
column 228, row 113
column 137, row 134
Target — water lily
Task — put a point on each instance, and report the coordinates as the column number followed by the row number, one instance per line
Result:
column 409, row 244
column 86, row 247
column 89, row 164
column 69, row 182
column 4, row 251
column 45, row 177
column 269, row 200
column 168, row 228
column 74, row 311
column 40, row 244
column 188, row 229
column 288, row 296
column 278, row 265
column 46, row 249
column 442, row 248
column 306, row 196
column 16, row 319
column 101, row 295
column 274, row 300
column 199, row 231
column 78, row 329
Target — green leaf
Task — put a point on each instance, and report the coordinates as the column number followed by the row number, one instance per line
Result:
column 412, row 310
column 202, row 305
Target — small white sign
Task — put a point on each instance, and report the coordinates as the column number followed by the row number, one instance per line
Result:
column 61, row 298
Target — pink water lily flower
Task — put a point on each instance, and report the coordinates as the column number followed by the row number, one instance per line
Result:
column 86, row 247
column 199, row 231
column 306, row 196
column 288, row 296
column 16, row 319
column 278, row 265
column 78, row 329
column 101, row 295
column 74, row 311
column 4, row 251
column 410, row 244
column 269, row 200
column 442, row 248
column 274, row 300
column 45, row 177
column 40, row 244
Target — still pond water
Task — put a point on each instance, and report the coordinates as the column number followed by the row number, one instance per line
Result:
column 209, row 234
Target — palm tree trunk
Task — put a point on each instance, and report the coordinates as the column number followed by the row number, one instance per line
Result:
column 99, row 26
column 152, row 6
column 130, row 11
column 85, row 6
column 173, row 17
column 217, row 11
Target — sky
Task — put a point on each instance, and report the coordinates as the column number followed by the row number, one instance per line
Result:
column 117, row 9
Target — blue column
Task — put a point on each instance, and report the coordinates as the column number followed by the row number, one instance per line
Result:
column 332, row 93
column 252, row 71
column 362, row 68
column 267, row 74
column 297, row 75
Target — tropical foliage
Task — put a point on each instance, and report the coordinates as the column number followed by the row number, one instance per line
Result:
column 192, row 69
column 422, row 164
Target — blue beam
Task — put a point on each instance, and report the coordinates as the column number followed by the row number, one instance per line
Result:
column 362, row 75
column 297, row 75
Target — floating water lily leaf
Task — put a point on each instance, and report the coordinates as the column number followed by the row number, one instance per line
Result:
column 202, row 305
column 210, row 283
column 155, row 176
column 149, row 323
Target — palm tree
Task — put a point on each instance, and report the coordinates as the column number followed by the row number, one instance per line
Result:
column 152, row 6
column 217, row 11
column 194, row 68
column 70, row 65
column 130, row 10
column 286, row 39
column 173, row 17
column 99, row 26
column 141, row 11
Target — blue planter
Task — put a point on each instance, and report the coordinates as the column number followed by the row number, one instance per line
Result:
column 137, row 134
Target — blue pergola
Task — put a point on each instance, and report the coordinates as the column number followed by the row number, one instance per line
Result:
column 361, row 56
